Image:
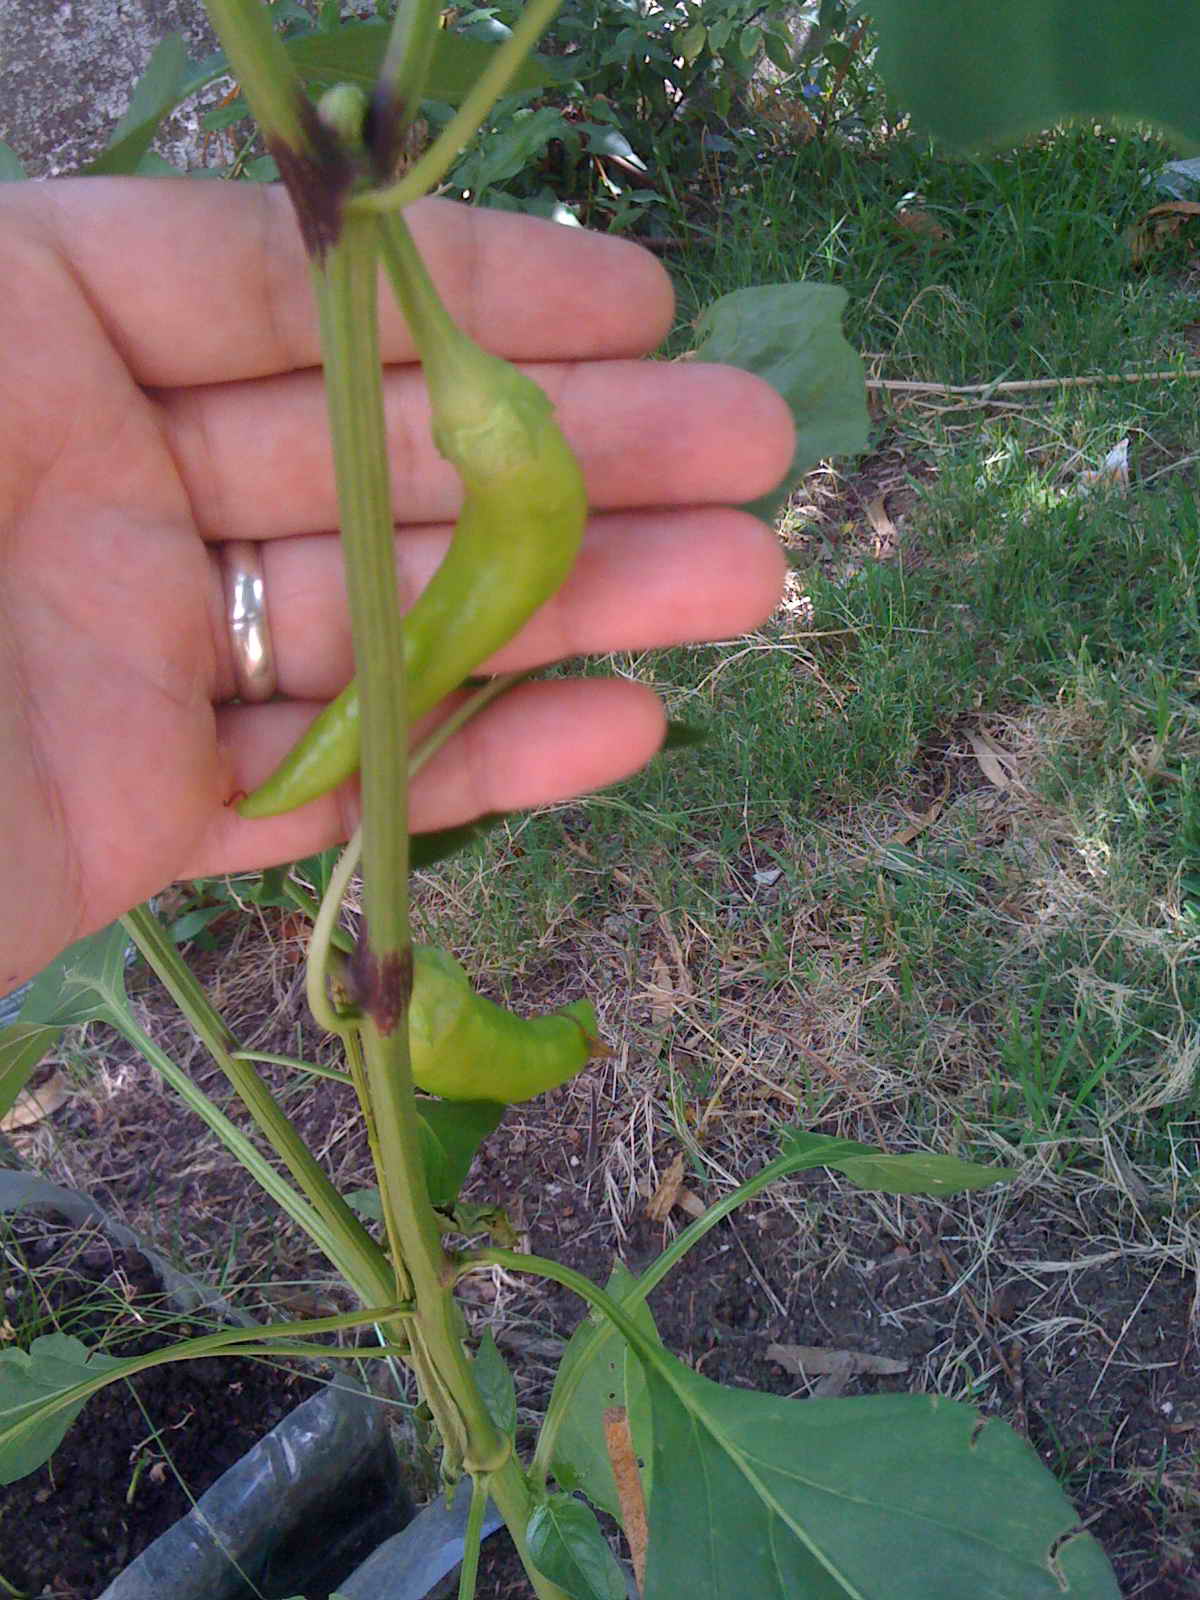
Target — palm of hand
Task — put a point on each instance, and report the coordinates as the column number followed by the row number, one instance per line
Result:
column 107, row 590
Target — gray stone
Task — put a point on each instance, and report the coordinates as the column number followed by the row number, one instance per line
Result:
column 68, row 68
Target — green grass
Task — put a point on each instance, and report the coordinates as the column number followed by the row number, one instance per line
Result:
column 1074, row 614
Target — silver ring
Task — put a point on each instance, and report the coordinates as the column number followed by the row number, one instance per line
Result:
column 246, row 612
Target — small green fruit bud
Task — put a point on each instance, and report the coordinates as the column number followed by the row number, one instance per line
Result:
column 343, row 110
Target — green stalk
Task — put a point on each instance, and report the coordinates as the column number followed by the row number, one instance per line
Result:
column 471, row 1538
column 406, row 63
column 495, row 78
column 264, row 72
column 328, row 1220
column 273, row 1339
column 345, row 282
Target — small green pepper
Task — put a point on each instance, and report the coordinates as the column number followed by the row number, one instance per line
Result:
column 517, row 536
column 464, row 1047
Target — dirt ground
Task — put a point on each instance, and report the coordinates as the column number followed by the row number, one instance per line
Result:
column 1057, row 1310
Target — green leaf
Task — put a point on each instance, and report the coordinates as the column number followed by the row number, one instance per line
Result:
column 54, row 1363
column 869, row 1168
column 496, row 1384
column 779, row 50
column 909, row 1496
column 22, row 1046
column 510, row 148
column 978, row 74
column 426, row 848
column 567, row 1546
column 451, row 1131
column 158, row 91
column 691, row 41
column 790, row 335
column 79, row 986
column 354, row 54
column 11, row 170
column 921, row 1174
column 611, row 1377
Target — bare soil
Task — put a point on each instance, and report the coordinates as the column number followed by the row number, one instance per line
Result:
column 127, row 1469
column 1054, row 1308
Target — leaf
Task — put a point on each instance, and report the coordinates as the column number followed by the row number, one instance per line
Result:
column 426, row 848
column 22, row 1046
column 158, row 91
column 11, row 169
column 354, row 54
column 980, row 75
column 568, row 1548
column 868, row 1168
column 496, row 1384
column 28, row 1379
column 69, row 990
column 909, row 1496
column 513, row 146
column 807, row 1360
column 790, row 335
column 611, row 1377
column 351, row 54
column 35, row 1105
column 451, row 1131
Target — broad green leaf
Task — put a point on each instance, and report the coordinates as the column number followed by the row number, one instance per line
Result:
column 354, row 54
column 451, row 1131
column 496, row 1384
column 790, row 335
column 978, row 74
column 11, row 169
column 610, row 1376
column 54, row 1363
column 22, row 1046
column 567, row 1546
column 158, row 91
column 906, row 1496
column 68, row 991
column 691, row 41
column 869, row 1168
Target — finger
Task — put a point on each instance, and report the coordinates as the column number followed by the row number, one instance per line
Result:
column 256, row 461
column 541, row 743
column 641, row 580
column 222, row 288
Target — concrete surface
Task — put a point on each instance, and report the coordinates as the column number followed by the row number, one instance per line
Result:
column 67, row 69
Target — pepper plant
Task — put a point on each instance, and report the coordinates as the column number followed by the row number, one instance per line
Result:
column 719, row 1491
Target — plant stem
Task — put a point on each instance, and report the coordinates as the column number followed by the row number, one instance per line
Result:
column 405, row 68
column 341, row 1235
column 264, row 71
column 472, row 1537
column 495, row 78
column 382, row 967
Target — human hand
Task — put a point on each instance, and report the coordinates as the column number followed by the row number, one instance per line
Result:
column 160, row 393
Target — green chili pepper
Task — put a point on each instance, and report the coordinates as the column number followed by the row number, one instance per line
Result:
column 516, row 539
column 464, row 1047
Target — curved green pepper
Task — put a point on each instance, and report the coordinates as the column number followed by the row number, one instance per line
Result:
column 463, row 1047
column 516, row 539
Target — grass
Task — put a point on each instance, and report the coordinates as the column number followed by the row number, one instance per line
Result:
column 1034, row 938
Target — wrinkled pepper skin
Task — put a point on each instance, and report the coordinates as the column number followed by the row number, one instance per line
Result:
column 464, row 1047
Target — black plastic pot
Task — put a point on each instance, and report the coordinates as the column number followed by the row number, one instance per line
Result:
column 300, row 1511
